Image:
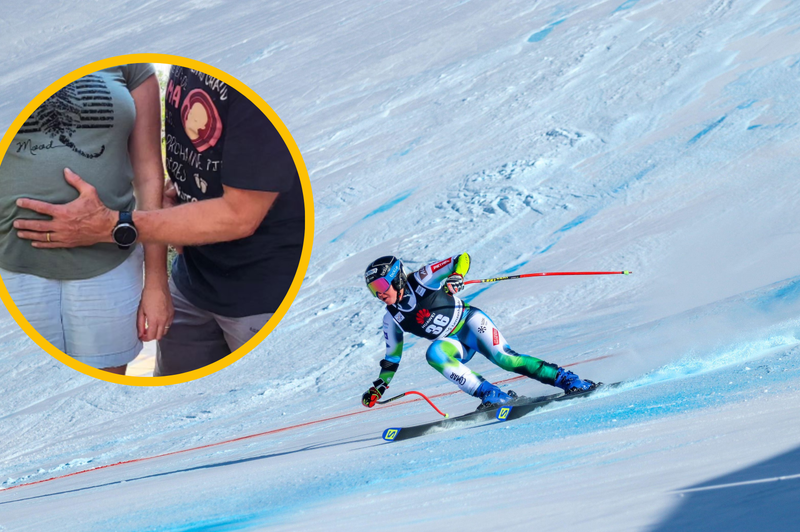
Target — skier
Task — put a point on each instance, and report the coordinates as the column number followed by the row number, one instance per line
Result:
column 425, row 305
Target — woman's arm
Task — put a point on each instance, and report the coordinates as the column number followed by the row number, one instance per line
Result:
column 433, row 275
column 144, row 146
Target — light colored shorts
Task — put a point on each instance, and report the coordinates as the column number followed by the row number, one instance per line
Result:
column 91, row 320
column 198, row 337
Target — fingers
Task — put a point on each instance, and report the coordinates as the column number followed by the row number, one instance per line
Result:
column 162, row 330
column 153, row 327
column 49, row 245
column 38, row 206
column 76, row 182
column 41, row 239
column 170, row 191
column 41, row 226
column 141, row 323
column 36, row 235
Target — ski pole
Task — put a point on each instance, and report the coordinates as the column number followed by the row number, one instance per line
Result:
column 415, row 393
column 543, row 274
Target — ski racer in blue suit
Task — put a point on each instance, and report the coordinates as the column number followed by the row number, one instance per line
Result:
column 425, row 304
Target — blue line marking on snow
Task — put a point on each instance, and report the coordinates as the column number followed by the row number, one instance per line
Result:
column 577, row 221
column 515, row 268
column 548, row 247
column 383, row 208
column 627, row 5
column 706, row 130
column 389, row 204
column 765, row 126
column 636, row 177
column 746, row 105
column 218, row 525
column 406, row 150
column 541, row 34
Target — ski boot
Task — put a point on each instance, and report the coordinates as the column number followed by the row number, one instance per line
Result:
column 491, row 396
column 571, row 383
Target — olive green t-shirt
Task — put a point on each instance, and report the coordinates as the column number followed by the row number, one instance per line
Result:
column 84, row 127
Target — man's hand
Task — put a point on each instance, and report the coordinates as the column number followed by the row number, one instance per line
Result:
column 82, row 222
column 372, row 395
column 454, row 283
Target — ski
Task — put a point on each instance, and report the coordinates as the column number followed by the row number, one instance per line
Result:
column 515, row 410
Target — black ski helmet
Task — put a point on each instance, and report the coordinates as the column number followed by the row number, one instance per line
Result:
column 383, row 271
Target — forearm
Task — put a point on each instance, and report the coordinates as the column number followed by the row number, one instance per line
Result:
column 390, row 365
column 387, row 375
column 149, row 189
column 149, row 192
column 193, row 224
column 144, row 147
column 394, row 349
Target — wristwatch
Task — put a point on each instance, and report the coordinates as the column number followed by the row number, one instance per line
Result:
column 125, row 233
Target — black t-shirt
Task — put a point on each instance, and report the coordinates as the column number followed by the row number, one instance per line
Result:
column 215, row 136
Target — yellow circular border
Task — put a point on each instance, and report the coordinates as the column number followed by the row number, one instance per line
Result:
column 307, row 198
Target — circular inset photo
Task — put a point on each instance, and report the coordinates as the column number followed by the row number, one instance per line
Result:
column 156, row 219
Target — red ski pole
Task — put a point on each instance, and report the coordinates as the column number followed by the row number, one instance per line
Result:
column 415, row 393
column 544, row 274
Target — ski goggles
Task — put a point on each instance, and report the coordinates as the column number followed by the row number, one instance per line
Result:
column 382, row 284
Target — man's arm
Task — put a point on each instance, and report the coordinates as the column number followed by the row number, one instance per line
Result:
column 237, row 214
column 86, row 221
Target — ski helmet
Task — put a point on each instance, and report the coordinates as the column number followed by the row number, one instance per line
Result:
column 384, row 272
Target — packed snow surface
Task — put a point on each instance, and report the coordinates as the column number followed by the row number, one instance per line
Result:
column 645, row 135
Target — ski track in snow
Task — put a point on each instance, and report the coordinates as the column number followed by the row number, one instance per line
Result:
column 639, row 135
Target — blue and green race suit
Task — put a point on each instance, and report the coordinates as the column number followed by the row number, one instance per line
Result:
column 458, row 331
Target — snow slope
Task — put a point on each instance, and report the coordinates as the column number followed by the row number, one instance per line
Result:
column 649, row 135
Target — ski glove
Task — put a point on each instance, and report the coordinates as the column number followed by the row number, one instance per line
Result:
column 372, row 395
column 454, row 283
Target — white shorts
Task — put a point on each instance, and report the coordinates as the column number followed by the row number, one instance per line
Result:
column 91, row 320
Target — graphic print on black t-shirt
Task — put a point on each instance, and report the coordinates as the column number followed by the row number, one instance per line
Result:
column 201, row 121
column 83, row 104
column 193, row 105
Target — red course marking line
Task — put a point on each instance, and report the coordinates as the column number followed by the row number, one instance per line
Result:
column 274, row 431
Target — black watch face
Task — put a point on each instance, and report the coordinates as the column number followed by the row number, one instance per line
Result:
column 125, row 235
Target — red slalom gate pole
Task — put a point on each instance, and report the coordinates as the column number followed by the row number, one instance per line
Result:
column 543, row 274
column 415, row 393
